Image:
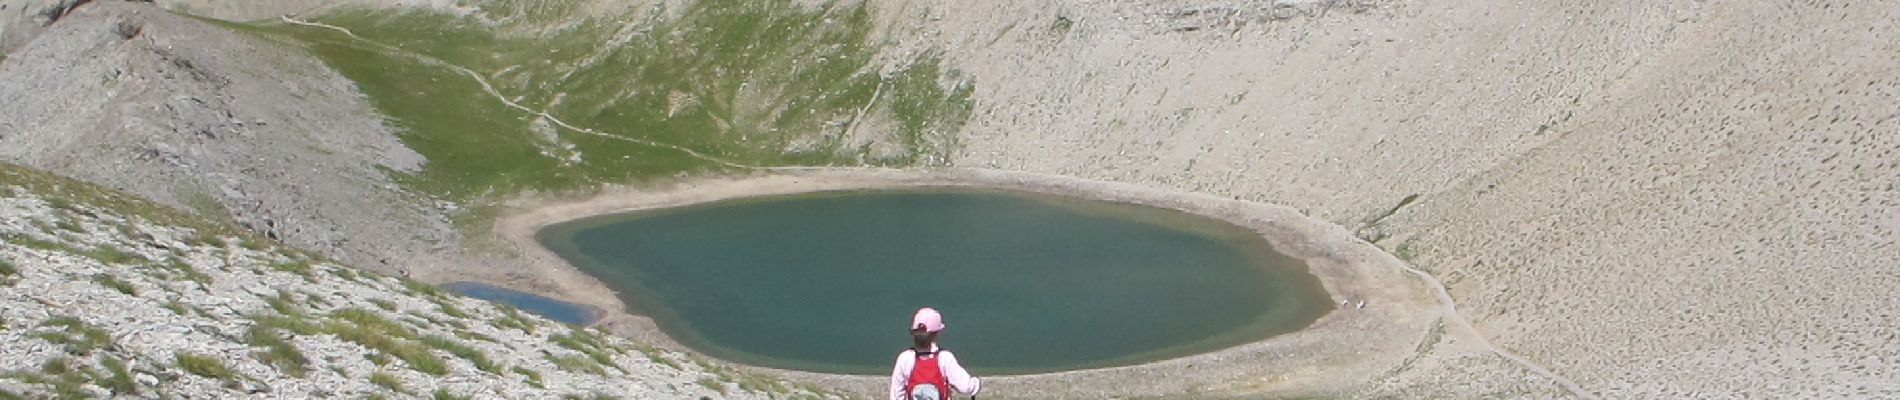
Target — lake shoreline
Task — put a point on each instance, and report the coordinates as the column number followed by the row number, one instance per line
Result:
column 1357, row 344
column 1184, row 283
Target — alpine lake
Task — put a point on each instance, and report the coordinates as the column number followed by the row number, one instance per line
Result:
column 1028, row 283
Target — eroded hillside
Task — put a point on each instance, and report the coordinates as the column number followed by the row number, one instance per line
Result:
column 233, row 128
column 1655, row 200
column 103, row 294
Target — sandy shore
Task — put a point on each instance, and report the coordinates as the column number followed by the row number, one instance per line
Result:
column 1347, row 348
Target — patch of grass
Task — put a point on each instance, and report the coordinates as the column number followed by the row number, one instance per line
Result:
column 301, row 268
column 1062, row 25
column 443, row 394
column 761, row 384
column 112, row 255
column 78, row 337
column 284, row 304
column 577, row 364
column 203, row 365
column 343, row 272
column 533, row 378
column 448, row 308
column 511, row 318
column 7, row 271
column 1406, row 252
column 179, row 269
column 313, row 298
column 203, row 239
column 68, row 381
column 465, row 334
column 177, row 307
column 815, row 392
column 41, row 225
column 119, row 378
column 278, row 352
column 713, row 384
column 928, row 114
column 388, row 381
column 66, row 193
column 586, row 343
column 295, row 325
column 386, row 305
column 371, row 330
column 111, row 281
column 590, row 396
column 749, row 382
column 426, row 320
column 471, row 354
column 202, row 204
column 69, row 226
column 657, row 357
column 60, row 203
column 418, row 288
column 28, row 241
column 371, row 321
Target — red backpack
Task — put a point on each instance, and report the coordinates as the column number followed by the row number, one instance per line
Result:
column 926, row 372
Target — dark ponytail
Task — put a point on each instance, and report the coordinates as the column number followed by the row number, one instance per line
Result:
column 921, row 338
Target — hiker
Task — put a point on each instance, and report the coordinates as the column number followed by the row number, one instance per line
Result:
column 925, row 372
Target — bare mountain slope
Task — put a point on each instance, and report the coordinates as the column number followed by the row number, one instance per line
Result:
column 206, row 119
column 1656, row 200
column 21, row 20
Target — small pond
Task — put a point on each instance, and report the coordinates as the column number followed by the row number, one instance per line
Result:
column 557, row 310
column 1027, row 283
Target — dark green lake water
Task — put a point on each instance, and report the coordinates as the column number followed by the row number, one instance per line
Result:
column 1027, row 283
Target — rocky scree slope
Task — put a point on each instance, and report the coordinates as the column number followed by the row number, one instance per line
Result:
column 106, row 295
column 226, row 125
column 20, row 20
column 1655, row 200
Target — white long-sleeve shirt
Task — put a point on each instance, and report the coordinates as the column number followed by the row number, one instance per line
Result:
column 960, row 380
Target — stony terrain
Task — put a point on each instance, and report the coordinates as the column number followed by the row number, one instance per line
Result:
column 1658, row 200
column 103, row 295
column 1654, row 200
column 21, row 20
column 206, row 119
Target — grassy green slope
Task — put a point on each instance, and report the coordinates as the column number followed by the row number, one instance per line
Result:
column 752, row 83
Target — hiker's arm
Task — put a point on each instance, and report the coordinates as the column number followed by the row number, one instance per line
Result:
column 958, row 377
column 900, row 374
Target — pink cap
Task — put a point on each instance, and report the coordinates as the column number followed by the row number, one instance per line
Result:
column 929, row 318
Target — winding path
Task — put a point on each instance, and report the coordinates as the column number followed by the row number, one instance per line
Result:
column 1438, row 288
column 1452, row 315
column 486, row 87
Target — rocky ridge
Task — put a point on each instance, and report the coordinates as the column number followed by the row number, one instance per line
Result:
column 106, row 295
